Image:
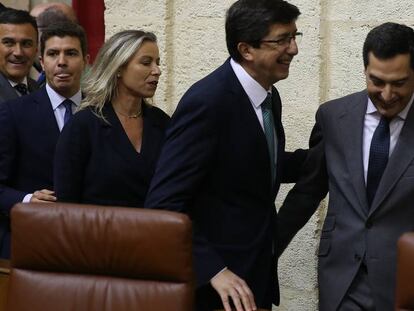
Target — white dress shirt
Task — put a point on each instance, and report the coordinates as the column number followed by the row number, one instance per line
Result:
column 256, row 93
column 59, row 110
column 372, row 119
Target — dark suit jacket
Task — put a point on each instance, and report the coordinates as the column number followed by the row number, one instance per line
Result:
column 352, row 230
column 96, row 163
column 28, row 136
column 215, row 166
column 7, row 92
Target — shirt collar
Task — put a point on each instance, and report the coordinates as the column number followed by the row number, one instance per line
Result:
column 13, row 84
column 56, row 99
column 371, row 109
column 253, row 89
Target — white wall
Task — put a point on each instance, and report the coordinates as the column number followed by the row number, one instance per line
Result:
column 329, row 65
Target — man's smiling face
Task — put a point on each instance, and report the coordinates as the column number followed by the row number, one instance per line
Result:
column 18, row 47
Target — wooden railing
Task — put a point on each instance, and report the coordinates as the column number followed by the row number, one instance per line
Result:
column 4, row 280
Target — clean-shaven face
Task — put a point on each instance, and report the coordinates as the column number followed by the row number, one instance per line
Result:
column 390, row 83
column 63, row 63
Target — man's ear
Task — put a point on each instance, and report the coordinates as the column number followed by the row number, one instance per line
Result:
column 86, row 59
column 245, row 51
column 41, row 62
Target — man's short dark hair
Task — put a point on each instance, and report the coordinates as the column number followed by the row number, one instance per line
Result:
column 250, row 20
column 2, row 7
column 17, row 17
column 51, row 16
column 388, row 40
column 64, row 29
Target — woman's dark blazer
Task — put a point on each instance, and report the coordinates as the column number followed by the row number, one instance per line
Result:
column 95, row 162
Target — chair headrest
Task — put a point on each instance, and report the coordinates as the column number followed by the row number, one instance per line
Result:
column 124, row 242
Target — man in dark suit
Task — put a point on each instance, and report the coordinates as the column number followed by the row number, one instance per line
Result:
column 18, row 48
column 30, row 125
column 362, row 151
column 224, row 159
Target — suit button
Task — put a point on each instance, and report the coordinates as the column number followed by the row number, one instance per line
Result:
column 368, row 224
column 357, row 257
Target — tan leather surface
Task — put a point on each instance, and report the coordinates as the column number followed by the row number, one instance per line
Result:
column 77, row 257
column 89, row 292
column 405, row 273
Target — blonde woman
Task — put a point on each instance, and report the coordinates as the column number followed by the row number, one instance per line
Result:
column 107, row 152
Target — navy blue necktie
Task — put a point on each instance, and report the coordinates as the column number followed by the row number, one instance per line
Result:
column 378, row 157
column 21, row 88
column 67, row 103
column 269, row 125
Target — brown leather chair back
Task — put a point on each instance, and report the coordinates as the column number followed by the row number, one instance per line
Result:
column 405, row 273
column 69, row 257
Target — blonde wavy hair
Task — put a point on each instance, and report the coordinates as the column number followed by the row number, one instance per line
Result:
column 101, row 82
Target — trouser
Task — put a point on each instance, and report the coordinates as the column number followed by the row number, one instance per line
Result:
column 359, row 295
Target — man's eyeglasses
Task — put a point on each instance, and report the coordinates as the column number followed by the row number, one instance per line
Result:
column 285, row 40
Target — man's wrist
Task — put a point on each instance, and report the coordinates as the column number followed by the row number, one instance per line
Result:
column 221, row 271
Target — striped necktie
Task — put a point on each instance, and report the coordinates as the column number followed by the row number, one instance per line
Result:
column 21, row 88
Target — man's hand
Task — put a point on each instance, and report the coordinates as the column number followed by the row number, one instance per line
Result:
column 227, row 284
column 43, row 196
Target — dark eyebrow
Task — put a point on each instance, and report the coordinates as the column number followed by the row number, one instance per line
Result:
column 374, row 77
column 285, row 34
column 72, row 50
column 288, row 33
column 65, row 51
column 14, row 39
column 371, row 76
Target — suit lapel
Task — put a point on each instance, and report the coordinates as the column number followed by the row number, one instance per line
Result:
column 117, row 135
column 277, row 116
column 239, row 96
column 32, row 85
column 7, row 92
column 352, row 123
column 242, row 101
column 280, row 133
column 152, row 131
column 44, row 111
column 401, row 157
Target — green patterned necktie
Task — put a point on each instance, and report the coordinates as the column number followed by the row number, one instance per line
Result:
column 269, row 125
